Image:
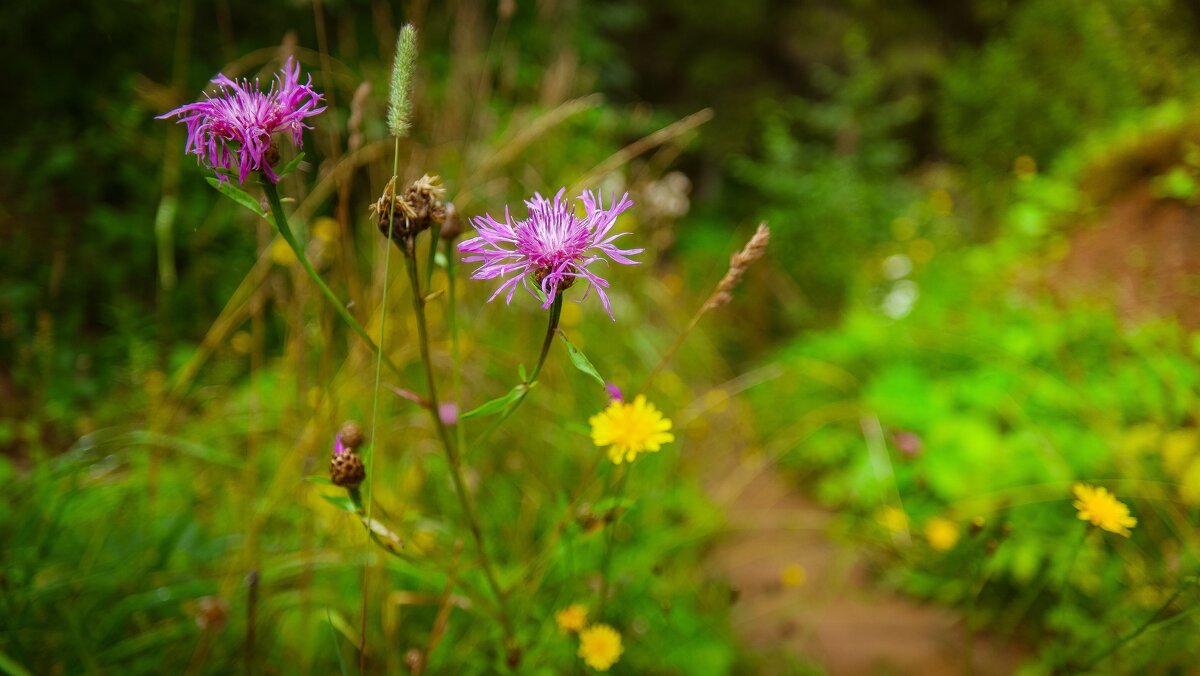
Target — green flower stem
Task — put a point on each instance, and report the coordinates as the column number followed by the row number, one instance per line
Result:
column 609, row 544
column 285, row 231
column 551, row 328
column 460, row 432
column 1150, row 621
column 451, row 450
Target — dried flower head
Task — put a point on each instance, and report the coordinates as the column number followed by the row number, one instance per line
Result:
column 630, row 428
column 1102, row 509
column 237, row 124
column 600, row 646
column 738, row 264
column 346, row 469
column 551, row 248
column 417, row 208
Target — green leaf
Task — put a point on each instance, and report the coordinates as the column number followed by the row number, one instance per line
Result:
column 523, row 376
column 228, row 189
column 291, row 166
column 10, row 666
column 337, row 648
column 499, row 403
column 580, row 360
column 342, row 502
column 611, row 503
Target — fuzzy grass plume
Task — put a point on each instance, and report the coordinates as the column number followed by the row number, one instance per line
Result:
column 400, row 98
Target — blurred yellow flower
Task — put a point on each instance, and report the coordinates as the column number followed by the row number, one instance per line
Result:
column 600, row 646
column 281, row 253
column 1099, row 507
column 629, row 429
column 572, row 618
column 942, row 534
column 1025, row 167
column 894, row 519
column 325, row 229
column 793, row 575
column 941, row 202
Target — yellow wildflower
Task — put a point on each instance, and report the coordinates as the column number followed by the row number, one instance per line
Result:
column 942, row 534
column 572, row 618
column 282, row 253
column 600, row 646
column 1099, row 507
column 793, row 575
column 629, row 429
column 894, row 519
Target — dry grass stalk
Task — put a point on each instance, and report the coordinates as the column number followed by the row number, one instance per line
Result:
column 738, row 264
column 355, row 124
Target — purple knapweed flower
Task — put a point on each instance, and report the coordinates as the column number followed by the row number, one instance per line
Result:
column 614, row 392
column 338, row 447
column 552, row 248
column 236, row 124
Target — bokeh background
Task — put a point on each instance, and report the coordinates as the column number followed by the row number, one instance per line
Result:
column 980, row 289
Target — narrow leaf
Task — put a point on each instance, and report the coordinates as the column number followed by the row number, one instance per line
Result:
column 10, row 666
column 291, row 166
column 228, row 189
column 498, row 404
column 337, row 648
column 580, row 360
column 342, row 502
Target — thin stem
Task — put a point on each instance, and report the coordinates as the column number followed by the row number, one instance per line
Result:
column 670, row 353
column 383, row 310
column 609, row 545
column 1136, row 632
column 460, row 432
column 547, row 341
column 285, row 231
column 452, row 456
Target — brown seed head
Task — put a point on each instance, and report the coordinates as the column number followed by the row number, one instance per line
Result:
column 738, row 264
column 417, row 208
column 346, row 470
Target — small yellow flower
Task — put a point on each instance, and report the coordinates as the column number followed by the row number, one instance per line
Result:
column 325, row 229
column 600, row 646
column 793, row 575
column 1099, row 507
column 282, row 253
column 894, row 519
column 572, row 618
column 942, row 534
column 629, row 429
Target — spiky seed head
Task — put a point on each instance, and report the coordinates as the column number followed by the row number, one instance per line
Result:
column 400, row 97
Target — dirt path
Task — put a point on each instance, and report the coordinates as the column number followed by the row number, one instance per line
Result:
column 837, row 617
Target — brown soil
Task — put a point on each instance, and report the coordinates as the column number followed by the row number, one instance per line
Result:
column 838, row 617
column 1144, row 256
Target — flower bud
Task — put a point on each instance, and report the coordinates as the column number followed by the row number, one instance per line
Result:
column 351, row 436
column 452, row 229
